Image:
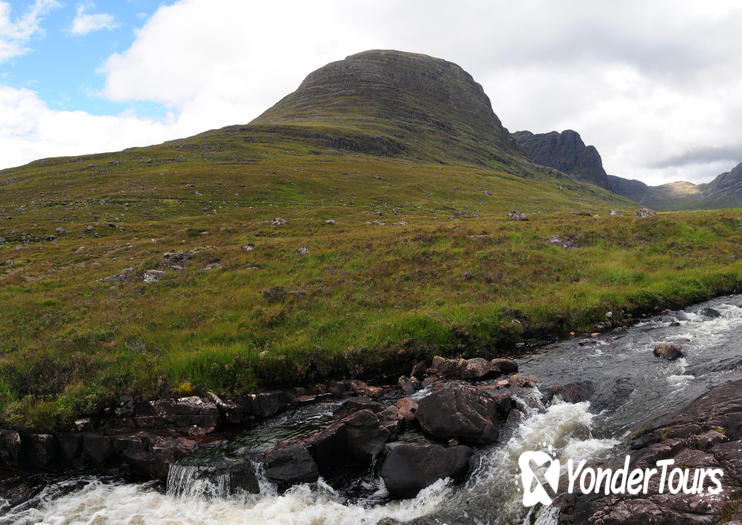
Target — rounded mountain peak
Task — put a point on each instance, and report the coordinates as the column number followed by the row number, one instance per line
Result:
column 430, row 107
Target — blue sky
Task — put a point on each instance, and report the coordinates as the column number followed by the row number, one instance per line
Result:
column 655, row 86
column 63, row 67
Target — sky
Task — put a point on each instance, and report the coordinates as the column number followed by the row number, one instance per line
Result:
column 655, row 85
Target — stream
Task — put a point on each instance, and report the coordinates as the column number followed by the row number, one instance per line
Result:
column 631, row 389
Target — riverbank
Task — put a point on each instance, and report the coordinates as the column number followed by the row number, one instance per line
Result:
column 615, row 381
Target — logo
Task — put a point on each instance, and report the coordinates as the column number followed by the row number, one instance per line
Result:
column 533, row 494
column 540, row 471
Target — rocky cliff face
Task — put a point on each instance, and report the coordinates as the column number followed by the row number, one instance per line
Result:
column 725, row 191
column 566, row 152
column 399, row 104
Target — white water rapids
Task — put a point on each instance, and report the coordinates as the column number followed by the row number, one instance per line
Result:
column 631, row 387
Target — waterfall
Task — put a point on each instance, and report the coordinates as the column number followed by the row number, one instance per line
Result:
column 198, row 481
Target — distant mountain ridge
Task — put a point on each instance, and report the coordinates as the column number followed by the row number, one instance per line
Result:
column 566, row 152
column 725, row 191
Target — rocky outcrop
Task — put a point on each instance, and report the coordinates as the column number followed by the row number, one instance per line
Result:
column 462, row 412
column 410, row 467
column 645, row 213
column 706, row 434
column 287, row 464
column 566, row 152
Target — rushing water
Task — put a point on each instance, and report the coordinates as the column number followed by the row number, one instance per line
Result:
column 632, row 388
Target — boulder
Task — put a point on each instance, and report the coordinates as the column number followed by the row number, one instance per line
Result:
column 290, row 463
column 460, row 411
column 97, row 447
column 148, row 464
column 176, row 260
column 571, row 392
column 125, row 443
column 355, row 404
column 11, row 450
column 327, row 447
column 407, row 409
column 192, row 414
column 645, row 213
column 506, row 366
column 41, row 449
column 390, row 421
column 447, row 368
column 668, row 351
column 516, row 215
column 418, row 371
column 410, row 467
column 479, row 369
column 710, row 313
column 364, row 435
column 407, row 385
column 70, row 445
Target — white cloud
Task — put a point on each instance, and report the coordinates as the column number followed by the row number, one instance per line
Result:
column 29, row 126
column 85, row 23
column 14, row 34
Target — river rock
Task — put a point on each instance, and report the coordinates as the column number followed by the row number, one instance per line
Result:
column 408, row 386
column 460, row 411
column 327, row 447
column 364, row 435
column 148, row 464
column 355, row 404
column 571, row 392
column 390, row 421
column 447, row 368
column 506, row 366
column 290, row 463
column 41, row 449
column 97, row 447
column 668, row 351
column 192, row 414
column 70, row 445
column 707, row 434
column 410, row 467
column 124, row 443
column 710, row 313
column 10, row 448
column 407, row 409
column 479, row 369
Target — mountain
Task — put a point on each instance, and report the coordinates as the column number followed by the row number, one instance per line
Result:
column 564, row 151
column 396, row 103
column 725, row 191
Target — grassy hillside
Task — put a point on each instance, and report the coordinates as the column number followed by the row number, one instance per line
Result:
column 420, row 259
column 439, row 269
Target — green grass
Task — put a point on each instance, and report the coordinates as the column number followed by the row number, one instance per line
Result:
column 458, row 278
